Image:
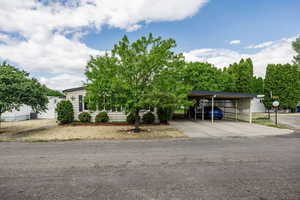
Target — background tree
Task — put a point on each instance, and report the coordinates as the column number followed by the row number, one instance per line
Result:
column 243, row 75
column 54, row 93
column 296, row 47
column 136, row 75
column 282, row 81
column 17, row 88
column 257, row 85
column 204, row 76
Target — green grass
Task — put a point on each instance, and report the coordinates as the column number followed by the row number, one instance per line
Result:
column 268, row 122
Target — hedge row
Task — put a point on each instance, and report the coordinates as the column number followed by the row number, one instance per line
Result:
column 65, row 115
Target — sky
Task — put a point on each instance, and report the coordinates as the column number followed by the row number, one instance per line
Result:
column 54, row 39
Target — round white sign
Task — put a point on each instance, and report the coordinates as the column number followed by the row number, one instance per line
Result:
column 275, row 103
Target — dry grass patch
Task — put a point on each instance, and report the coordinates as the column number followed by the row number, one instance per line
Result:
column 13, row 129
column 23, row 131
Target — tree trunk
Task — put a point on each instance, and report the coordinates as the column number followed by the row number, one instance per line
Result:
column 269, row 115
column 137, row 122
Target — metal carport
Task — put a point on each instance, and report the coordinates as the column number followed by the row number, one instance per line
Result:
column 238, row 104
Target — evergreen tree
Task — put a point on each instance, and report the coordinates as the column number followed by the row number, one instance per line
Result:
column 243, row 75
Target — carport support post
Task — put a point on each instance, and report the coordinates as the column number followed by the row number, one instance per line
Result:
column 202, row 109
column 212, row 109
column 195, row 110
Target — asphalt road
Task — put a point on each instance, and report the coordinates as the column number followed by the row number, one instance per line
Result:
column 233, row 168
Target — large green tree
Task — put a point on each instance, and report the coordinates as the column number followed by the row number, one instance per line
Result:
column 282, row 81
column 205, row 76
column 243, row 75
column 17, row 88
column 136, row 76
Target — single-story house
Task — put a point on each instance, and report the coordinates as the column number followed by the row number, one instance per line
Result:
column 242, row 105
column 76, row 97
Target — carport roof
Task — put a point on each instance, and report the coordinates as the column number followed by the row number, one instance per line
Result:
column 220, row 95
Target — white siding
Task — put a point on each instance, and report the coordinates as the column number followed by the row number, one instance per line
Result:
column 74, row 98
column 50, row 113
column 257, row 105
column 17, row 115
column 113, row 116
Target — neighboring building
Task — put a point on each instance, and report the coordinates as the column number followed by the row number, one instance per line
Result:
column 257, row 105
column 25, row 112
column 76, row 96
column 50, row 112
column 17, row 115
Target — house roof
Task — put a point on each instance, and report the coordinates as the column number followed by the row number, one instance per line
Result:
column 73, row 89
column 220, row 95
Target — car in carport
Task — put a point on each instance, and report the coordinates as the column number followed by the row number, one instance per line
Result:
column 217, row 113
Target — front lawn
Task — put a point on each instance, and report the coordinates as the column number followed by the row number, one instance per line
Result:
column 46, row 130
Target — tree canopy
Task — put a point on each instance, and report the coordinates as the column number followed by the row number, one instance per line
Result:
column 17, row 88
column 136, row 76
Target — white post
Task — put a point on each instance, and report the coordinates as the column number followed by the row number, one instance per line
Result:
column 212, row 109
column 236, row 110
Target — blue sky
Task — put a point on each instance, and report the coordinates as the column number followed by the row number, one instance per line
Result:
column 217, row 23
column 54, row 46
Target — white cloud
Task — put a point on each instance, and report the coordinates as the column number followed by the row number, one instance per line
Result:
column 40, row 28
column 63, row 81
column 262, row 45
column 235, row 42
column 279, row 52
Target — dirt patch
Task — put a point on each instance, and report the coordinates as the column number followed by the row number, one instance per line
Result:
column 47, row 130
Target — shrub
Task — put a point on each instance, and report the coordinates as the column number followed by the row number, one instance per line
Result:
column 164, row 114
column 148, row 118
column 101, row 117
column 65, row 112
column 131, row 118
column 84, row 117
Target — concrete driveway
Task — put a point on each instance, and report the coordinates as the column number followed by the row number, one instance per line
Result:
column 204, row 129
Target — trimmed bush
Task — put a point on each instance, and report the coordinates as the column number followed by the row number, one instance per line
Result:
column 148, row 118
column 65, row 112
column 101, row 117
column 131, row 118
column 84, row 117
column 164, row 114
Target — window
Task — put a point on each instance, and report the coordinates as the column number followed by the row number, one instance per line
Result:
column 80, row 103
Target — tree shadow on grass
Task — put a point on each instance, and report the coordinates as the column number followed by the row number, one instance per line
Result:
column 31, row 131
